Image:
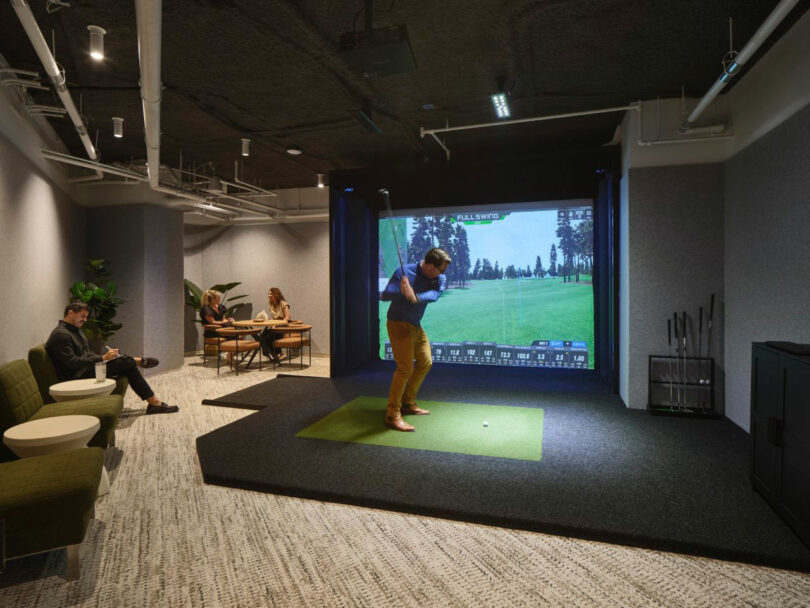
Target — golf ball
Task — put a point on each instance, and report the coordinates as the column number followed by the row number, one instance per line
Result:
column 486, row 423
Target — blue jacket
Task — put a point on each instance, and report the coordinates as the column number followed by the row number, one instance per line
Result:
column 427, row 290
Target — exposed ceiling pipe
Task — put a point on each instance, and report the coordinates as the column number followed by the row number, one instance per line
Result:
column 246, row 184
column 714, row 132
column 498, row 123
column 149, row 16
column 768, row 26
column 89, row 164
column 56, row 75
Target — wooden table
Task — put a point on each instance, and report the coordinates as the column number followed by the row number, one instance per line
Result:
column 81, row 389
column 55, row 434
column 253, row 323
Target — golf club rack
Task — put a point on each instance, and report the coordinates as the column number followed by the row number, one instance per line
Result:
column 681, row 383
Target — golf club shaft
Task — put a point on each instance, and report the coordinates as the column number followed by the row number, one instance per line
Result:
column 683, row 377
column 384, row 192
column 669, row 355
column 677, row 358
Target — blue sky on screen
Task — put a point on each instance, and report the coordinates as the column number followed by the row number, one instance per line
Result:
column 517, row 239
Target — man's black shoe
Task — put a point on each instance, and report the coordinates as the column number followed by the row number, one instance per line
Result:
column 163, row 408
column 147, row 362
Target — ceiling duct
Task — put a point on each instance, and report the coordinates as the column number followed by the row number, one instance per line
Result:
column 56, row 75
column 149, row 16
column 768, row 26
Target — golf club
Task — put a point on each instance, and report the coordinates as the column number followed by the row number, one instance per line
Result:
column 677, row 358
column 683, row 377
column 384, row 192
column 669, row 356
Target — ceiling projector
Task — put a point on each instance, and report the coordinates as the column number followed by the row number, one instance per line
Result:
column 384, row 51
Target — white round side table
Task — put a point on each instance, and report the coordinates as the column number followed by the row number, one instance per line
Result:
column 54, row 434
column 81, row 389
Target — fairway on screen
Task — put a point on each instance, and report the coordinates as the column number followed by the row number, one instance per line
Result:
column 519, row 289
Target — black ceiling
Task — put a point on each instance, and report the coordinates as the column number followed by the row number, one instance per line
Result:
column 271, row 71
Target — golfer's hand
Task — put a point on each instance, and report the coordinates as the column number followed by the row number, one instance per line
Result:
column 110, row 354
column 407, row 291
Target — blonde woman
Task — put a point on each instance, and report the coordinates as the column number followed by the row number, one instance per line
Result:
column 212, row 312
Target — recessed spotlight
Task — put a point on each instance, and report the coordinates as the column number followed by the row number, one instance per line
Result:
column 294, row 151
column 320, row 180
column 245, row 147
column 96, row 42
column 118, row 127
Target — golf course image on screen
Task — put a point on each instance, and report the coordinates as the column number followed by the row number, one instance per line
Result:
column 519, row 289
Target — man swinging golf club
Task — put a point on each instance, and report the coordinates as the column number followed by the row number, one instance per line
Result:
column 409, row 290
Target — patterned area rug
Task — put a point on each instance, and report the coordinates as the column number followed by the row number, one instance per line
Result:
column 164, row 538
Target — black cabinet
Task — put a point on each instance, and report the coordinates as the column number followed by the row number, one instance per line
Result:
column 780, row 433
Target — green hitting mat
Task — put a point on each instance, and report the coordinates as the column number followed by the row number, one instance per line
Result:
column 461, row 428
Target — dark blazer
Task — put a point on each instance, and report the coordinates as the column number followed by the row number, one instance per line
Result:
column 70, row 352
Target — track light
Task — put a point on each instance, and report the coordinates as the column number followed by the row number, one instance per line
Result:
column 294, row 151
column 501, row 105
column 245, row 147
column 96, row 42
column 118, row 126
column 320, row 180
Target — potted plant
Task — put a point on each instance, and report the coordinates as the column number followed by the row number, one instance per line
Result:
column 194, row 297
column 99, row 295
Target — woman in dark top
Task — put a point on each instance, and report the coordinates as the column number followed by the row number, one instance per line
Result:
column 213, row 312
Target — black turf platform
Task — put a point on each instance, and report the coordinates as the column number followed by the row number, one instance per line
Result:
column 607, row 473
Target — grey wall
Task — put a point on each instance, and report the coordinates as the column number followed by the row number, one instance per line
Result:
column 673, row 235
column 293, row 257
column 43, row 250
column 144, row 246
column 767, row 251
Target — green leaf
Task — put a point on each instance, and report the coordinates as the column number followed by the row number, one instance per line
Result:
column 232, row 298
column 225, row 287
column 232, row 309
column 87, row 295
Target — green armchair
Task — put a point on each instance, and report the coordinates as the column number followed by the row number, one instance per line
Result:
column 47, row 502
column 20, row 401
column 45, row 374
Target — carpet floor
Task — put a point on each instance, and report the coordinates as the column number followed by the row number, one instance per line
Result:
column 163, row 537
column 606, row 473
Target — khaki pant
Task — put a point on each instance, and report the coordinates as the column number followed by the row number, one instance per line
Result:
column 411, row 349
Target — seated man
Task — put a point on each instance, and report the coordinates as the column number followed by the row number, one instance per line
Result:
column 70, row 352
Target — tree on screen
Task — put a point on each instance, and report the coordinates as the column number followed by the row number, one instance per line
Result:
column 552, row 261
column 487, row 272
column 476, row 273
column 461, row 255
column 538, row 268
column 567, row 246
column 583, row 238
column 421, row 239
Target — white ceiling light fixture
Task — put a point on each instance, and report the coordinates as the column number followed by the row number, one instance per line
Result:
column 501, row 105
column 320, row 180
column 294, row 151
column 245, row 147
column 118, row 126
column 96, row 42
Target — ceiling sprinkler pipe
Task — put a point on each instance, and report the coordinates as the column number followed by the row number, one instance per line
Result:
column 56, row 75
column 765, row 30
